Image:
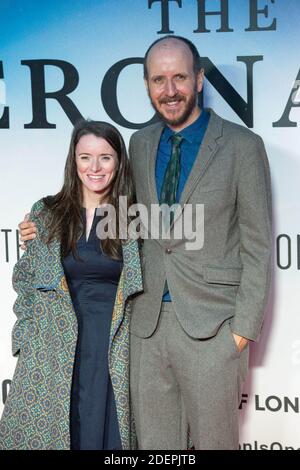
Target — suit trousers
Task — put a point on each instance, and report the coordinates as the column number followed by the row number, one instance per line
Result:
column 181, row 385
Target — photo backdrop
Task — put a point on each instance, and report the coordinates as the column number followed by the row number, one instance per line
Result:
column 64, row 59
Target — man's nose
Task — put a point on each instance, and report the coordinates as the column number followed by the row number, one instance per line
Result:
column 170, row 89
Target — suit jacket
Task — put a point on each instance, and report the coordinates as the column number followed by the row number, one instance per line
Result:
column 229, row 277
column 37, row 411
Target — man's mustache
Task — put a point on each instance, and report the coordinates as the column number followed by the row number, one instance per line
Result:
column 167, row 99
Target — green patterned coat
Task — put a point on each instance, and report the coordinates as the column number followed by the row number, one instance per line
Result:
column 36, row 413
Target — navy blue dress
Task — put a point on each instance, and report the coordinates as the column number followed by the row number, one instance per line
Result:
column 92, row 282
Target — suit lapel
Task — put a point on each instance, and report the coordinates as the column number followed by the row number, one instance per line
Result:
column 204, row 157
column 152, row 147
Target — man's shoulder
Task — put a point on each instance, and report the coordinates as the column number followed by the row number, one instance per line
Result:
column 239, row 131
column 232, row 129
column 146, row 132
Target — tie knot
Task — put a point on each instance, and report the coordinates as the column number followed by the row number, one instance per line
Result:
column 176, row 140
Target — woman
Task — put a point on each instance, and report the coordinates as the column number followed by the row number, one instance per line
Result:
column 71, row 384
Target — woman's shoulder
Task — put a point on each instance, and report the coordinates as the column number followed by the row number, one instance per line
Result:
column 38, row 206
column 44, row 204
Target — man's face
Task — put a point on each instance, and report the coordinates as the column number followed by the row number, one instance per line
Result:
column 172, row 85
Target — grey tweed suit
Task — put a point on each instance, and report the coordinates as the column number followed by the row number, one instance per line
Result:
column 221, row 287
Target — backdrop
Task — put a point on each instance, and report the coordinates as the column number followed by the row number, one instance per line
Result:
column 64, row 59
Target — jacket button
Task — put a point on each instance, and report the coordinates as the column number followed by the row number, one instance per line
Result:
column 168, row 251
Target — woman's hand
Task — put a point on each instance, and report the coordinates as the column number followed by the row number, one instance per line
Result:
column 27, row 231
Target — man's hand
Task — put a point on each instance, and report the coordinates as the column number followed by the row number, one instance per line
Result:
column 27, row 231
column 241, row 342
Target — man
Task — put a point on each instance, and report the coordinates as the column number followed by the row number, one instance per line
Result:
column 200, row 307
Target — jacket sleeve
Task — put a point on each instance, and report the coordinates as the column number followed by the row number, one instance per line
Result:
column 254, row 218
column 23, row 282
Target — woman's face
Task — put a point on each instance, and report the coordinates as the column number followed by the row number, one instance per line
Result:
column 96, row 163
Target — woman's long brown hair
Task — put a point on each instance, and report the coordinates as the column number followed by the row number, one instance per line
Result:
column 64, row 215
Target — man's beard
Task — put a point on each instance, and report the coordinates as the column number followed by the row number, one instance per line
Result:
column 182, row 118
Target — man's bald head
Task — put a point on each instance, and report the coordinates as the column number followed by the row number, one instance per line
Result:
column 171, row 41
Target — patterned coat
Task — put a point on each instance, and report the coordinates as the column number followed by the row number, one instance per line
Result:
column 36, row 413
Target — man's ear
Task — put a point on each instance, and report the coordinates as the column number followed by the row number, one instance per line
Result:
column 200, row 79
column 146, row 84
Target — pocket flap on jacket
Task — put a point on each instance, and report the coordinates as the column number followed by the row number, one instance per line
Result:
column 59, row 285
column 45, row 288
column 230, row 276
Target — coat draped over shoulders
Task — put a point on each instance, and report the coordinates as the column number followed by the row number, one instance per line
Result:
column 37, row 410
